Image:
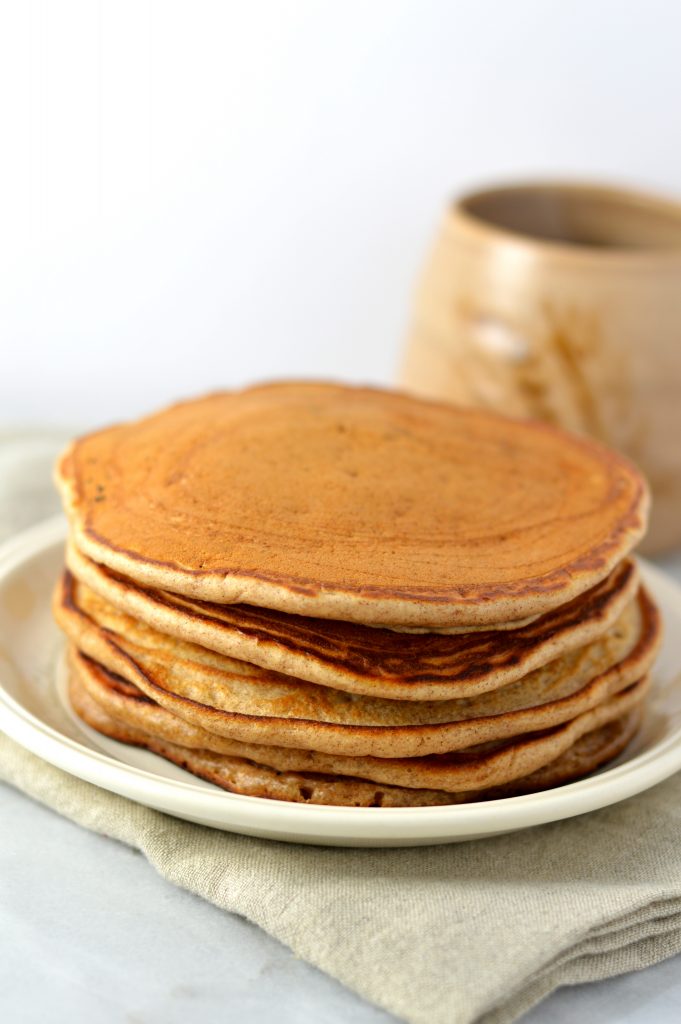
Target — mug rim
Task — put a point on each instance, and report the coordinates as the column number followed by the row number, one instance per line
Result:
column 637, row 199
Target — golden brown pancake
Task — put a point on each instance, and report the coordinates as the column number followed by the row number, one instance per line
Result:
column 372, row 662
column 238, row 701
column 476, row 767
column 353, row 504
column 244, row 775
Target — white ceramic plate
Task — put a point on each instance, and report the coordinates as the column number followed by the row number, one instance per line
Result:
column 35, row 713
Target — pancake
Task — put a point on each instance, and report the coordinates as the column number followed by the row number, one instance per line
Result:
column 371, row 662
column 238, row 701
column 353, row 504
column 243, row 775
column 476, row 767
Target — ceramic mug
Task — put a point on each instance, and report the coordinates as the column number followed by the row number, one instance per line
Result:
column 562, row 302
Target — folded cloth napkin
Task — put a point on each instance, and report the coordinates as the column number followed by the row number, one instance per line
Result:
column 477, row 931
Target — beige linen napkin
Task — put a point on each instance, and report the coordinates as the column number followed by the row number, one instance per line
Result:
column 476, row 931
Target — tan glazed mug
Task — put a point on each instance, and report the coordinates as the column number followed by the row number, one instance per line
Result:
column 562, row 302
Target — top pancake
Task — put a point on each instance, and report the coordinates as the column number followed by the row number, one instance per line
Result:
column 354, row 504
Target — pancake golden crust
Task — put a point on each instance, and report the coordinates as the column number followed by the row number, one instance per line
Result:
column 240, row 775
column 371, row 662
column 267, row 708
column 476, row 767
column 353, row 504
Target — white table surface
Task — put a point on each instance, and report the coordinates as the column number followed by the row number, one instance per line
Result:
column 89, row 932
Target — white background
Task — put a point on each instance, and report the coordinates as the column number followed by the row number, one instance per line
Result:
column 194, row 194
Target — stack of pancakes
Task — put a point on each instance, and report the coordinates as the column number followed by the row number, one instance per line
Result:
column 340, row 595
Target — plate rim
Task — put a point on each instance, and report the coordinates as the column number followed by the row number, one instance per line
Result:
column 312, row 822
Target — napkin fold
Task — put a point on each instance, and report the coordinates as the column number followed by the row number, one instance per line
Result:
column 471, row 932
